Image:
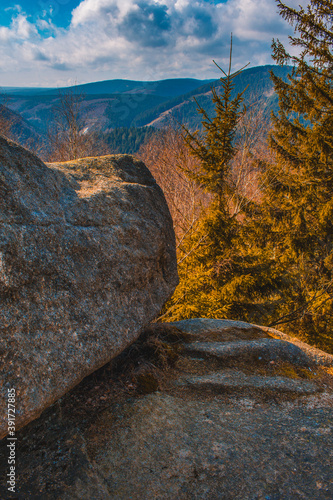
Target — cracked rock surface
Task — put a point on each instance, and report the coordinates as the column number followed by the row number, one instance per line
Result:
column 171, row 419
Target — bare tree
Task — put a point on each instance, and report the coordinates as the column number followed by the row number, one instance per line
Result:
column 69, row 136
column 168, row 158
column 252, row 154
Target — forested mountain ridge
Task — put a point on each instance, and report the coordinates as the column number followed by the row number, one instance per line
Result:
column 121, row 103
column 259, row 90
column 169, row 87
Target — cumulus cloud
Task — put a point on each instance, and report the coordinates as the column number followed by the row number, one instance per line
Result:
column 19, row 30
column 148, row 25
column 139, row 39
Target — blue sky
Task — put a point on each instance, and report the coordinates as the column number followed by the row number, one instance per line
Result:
column 61, row 42
column 59, row 10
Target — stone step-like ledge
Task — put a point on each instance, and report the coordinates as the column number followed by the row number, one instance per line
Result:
column 236, row 380
column 262, row 349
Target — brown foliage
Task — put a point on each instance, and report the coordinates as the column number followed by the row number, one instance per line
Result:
column 168, row 158
column 250, row 159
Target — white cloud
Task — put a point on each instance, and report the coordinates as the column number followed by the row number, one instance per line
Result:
column 19, row 30
column 139, row 39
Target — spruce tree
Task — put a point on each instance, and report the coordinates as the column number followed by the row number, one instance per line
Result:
column 298, row 204
column 216, row 267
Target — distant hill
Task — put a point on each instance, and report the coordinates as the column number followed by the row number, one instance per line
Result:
column 183, row 109
column 25, row 90
column 20, row 130
column 107, row 105
column 163, row 88
column 115, row 104
column 101, row 112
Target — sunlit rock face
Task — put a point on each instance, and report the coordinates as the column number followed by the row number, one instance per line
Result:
column 87, row 258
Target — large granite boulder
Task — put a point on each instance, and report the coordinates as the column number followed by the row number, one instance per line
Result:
column 87, row 258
